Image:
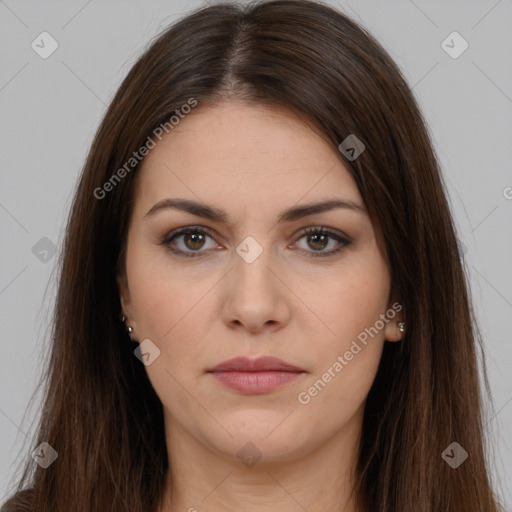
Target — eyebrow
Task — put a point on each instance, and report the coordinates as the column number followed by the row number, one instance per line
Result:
column 218, row 215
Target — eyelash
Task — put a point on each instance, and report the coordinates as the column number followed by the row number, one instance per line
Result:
column 316, row 230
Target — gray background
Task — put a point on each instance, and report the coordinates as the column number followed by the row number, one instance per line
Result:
column 52, row 107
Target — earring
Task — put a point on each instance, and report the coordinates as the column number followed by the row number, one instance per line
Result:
column 401, row 326
column 128, row 328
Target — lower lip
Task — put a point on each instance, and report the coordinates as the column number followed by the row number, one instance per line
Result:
column 253, row 383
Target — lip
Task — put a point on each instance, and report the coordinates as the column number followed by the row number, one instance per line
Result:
column 260, row 364
column 255, row 376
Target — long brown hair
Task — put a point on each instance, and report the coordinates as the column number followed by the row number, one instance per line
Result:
column 101, row 413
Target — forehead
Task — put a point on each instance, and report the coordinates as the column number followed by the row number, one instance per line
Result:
column 239, row 154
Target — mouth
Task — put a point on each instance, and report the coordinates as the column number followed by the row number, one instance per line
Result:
column 255, row 376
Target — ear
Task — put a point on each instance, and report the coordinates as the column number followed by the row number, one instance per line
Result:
column 395, row 313
column 124, row 296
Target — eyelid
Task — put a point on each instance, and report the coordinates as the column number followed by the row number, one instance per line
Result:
column 343, row 239
column 186, row 229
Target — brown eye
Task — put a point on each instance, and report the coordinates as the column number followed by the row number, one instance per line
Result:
column 317, row 241
column 318, row 238
column 189, row 241
column 193, row 240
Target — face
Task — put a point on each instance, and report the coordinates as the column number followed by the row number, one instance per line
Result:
column 250, row 272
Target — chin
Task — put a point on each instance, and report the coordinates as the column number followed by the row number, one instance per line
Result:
column 269, row 440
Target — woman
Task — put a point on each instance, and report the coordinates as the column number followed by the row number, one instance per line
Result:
column 262, row 304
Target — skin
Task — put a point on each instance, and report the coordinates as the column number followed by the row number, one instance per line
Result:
column 254, row 162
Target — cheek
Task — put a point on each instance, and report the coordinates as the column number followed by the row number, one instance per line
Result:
column 350, row 337
column 173, row 308
column 345, row 366
column 170, row 310
column 161, row 293
column 349, row 302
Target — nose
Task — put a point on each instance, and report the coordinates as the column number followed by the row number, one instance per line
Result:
column 256, row 297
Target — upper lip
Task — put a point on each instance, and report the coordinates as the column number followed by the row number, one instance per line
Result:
column 260, row 364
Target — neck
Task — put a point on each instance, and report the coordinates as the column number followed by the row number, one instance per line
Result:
column 202, row 480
